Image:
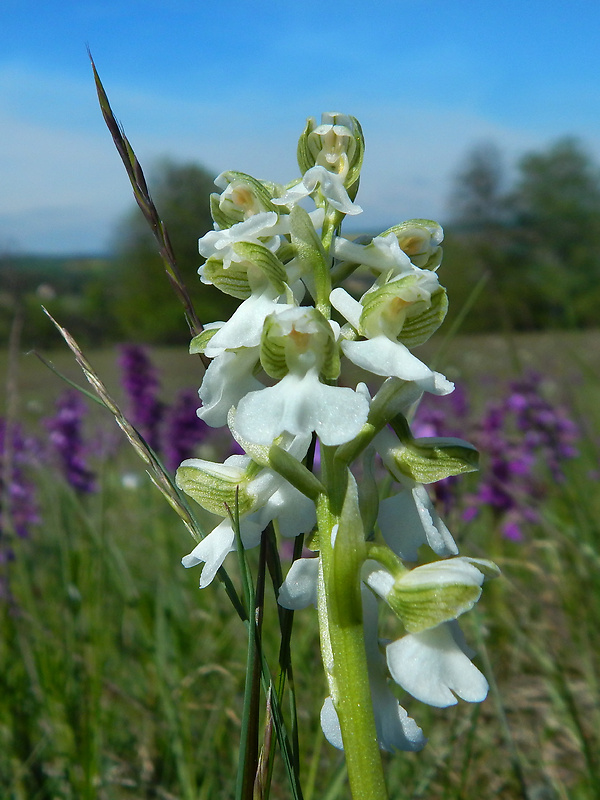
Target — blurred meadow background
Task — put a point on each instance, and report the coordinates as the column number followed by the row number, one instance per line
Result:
column 118, row 678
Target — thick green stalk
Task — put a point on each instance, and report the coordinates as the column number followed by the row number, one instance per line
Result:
column 342, row 643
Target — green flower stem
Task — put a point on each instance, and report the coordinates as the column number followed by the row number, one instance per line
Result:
column 342, row 641
column 323, row 284
column 384, row 408
column 386, row 558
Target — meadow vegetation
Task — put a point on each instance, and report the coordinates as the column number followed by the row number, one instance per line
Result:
column 119, row 678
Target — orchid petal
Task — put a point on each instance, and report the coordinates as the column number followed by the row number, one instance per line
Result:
column 213, row 243
column 295, row 513
column 348, row 307
column 332, row 188
column 383, row 357
column 298, row 404
column 433, row 668
column 228, row 378
column 244, row 327
column 299, row 589
column 408, row 520
column 214, row 548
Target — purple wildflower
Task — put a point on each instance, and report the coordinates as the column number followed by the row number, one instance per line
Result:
column 66, row 440
column 518, row 437
column 140, row 381
column 18, row 506
column 182, row 429
column 547, row 429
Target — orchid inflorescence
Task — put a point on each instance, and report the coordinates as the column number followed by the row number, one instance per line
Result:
column 274, row 380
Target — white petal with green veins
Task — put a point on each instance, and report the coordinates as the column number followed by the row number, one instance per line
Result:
column 428, row 460
column 214, row 485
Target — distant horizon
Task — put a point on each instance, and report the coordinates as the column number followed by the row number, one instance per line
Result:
column 58, row 256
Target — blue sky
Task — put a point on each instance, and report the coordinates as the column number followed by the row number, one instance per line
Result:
column 230, row 84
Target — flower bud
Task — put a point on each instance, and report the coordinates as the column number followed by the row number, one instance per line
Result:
column 336, row 144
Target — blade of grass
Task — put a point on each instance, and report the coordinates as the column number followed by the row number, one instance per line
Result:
column 248, row 753
column 514, row 755
column 146, row 204
column 459, row 319
column 289, row 753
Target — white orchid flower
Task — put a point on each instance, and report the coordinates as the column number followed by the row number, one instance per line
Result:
column 332, row 188
column 267, row 497
column 297, row 347
column 395, row 729
column 433, row 661
column 381, row 353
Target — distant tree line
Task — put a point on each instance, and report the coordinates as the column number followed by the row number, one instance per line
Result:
column 534, row 237
column 125, row 296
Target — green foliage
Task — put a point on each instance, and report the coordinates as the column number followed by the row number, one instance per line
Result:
column 539, row 241
column 120, row 679
column 75, row 288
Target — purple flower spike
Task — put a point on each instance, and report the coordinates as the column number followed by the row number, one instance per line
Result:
column 520, row 436
column 66, row 440
column 140, row 382
column 183, row 430
column 18, row 504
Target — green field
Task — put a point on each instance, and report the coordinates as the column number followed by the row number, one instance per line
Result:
column 120, row 679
